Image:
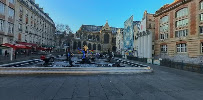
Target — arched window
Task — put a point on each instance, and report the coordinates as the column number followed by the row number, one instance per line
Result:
column 79, row 44
column 114, row 48
column 97, row 37
column 89, row 37
column 84, row 43
column 106, row 38
column 164, row 19
column 74, row 45
column 90, row 46
column 182, row 12
column 94, row 38
column 84, row 36
column 94, row 46
column 99, row 47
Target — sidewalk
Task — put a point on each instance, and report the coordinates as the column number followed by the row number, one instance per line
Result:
column 5, row 60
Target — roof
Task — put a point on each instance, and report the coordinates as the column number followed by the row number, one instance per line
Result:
column 94, row 28
column 168, row 7
column 91, row 28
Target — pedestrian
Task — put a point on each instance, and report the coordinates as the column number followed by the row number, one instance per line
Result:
column 69, row 56
column 110, row 55
column 6, row 53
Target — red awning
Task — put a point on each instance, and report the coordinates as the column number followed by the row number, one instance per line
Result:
column 28, row 44
column 16, row 46
column 20, row 46
column 8, row 45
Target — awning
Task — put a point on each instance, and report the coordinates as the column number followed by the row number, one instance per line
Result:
column 4, row 47
column 8, row 45
column 28, row 44
column 16, row 46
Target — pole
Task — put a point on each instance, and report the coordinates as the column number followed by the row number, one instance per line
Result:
column 11, row 58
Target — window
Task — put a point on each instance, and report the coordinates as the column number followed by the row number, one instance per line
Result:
column 182, row 12
column 201, row 5
column 201, row 48
column 1, row 25
column 164, row 19
column 12, row 1
column 201, row 29
column 10, row 28
column 164, row 48
column 181, row 48
column 2, row 8
column 181, row 33
column 164, row 36
column 11, row 13
column 164, row 28
column 182, row 23
column 20, row 27
column 201, row 17
column 26, row 12
column 21, row 9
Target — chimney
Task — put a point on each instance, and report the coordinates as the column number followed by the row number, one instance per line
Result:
column 41, row 9
column 37, row 5
column 33, row 1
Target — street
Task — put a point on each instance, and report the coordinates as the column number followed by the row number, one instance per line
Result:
column 164, row 84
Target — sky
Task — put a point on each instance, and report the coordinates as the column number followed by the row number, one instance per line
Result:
column 96, row 12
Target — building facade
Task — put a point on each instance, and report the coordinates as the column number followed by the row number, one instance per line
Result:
column 24, row 21
column 146, row 36
column 136, row 31
column 119, row 41
column 98, row 38
column 178, row 33
column 7, row 21
column 32, row 24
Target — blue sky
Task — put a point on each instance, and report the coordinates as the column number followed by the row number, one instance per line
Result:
column 96, row 12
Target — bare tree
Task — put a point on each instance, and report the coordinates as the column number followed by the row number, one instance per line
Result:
column 61, row 28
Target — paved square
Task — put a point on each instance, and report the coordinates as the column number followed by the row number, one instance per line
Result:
column 163, row 84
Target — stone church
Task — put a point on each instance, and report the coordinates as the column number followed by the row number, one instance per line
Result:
column 97, row 38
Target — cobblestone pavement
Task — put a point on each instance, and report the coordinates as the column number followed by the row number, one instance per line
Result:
column 164, row 84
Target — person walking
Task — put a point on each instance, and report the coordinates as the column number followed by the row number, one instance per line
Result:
column 6, row 53
column 69, row 56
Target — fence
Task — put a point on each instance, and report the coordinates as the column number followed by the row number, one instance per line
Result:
column 169, row 63
column 183, row 66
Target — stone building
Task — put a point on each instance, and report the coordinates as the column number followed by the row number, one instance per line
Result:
column 178, row 33
column 119, row 41
column 32, row 24
column 23, row 21
column 98, row 38
column 146, row 36
column 7, row 21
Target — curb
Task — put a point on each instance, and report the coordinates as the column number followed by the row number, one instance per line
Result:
column 73, row 71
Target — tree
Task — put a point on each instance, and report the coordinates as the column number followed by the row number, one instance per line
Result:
column 61, row 28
